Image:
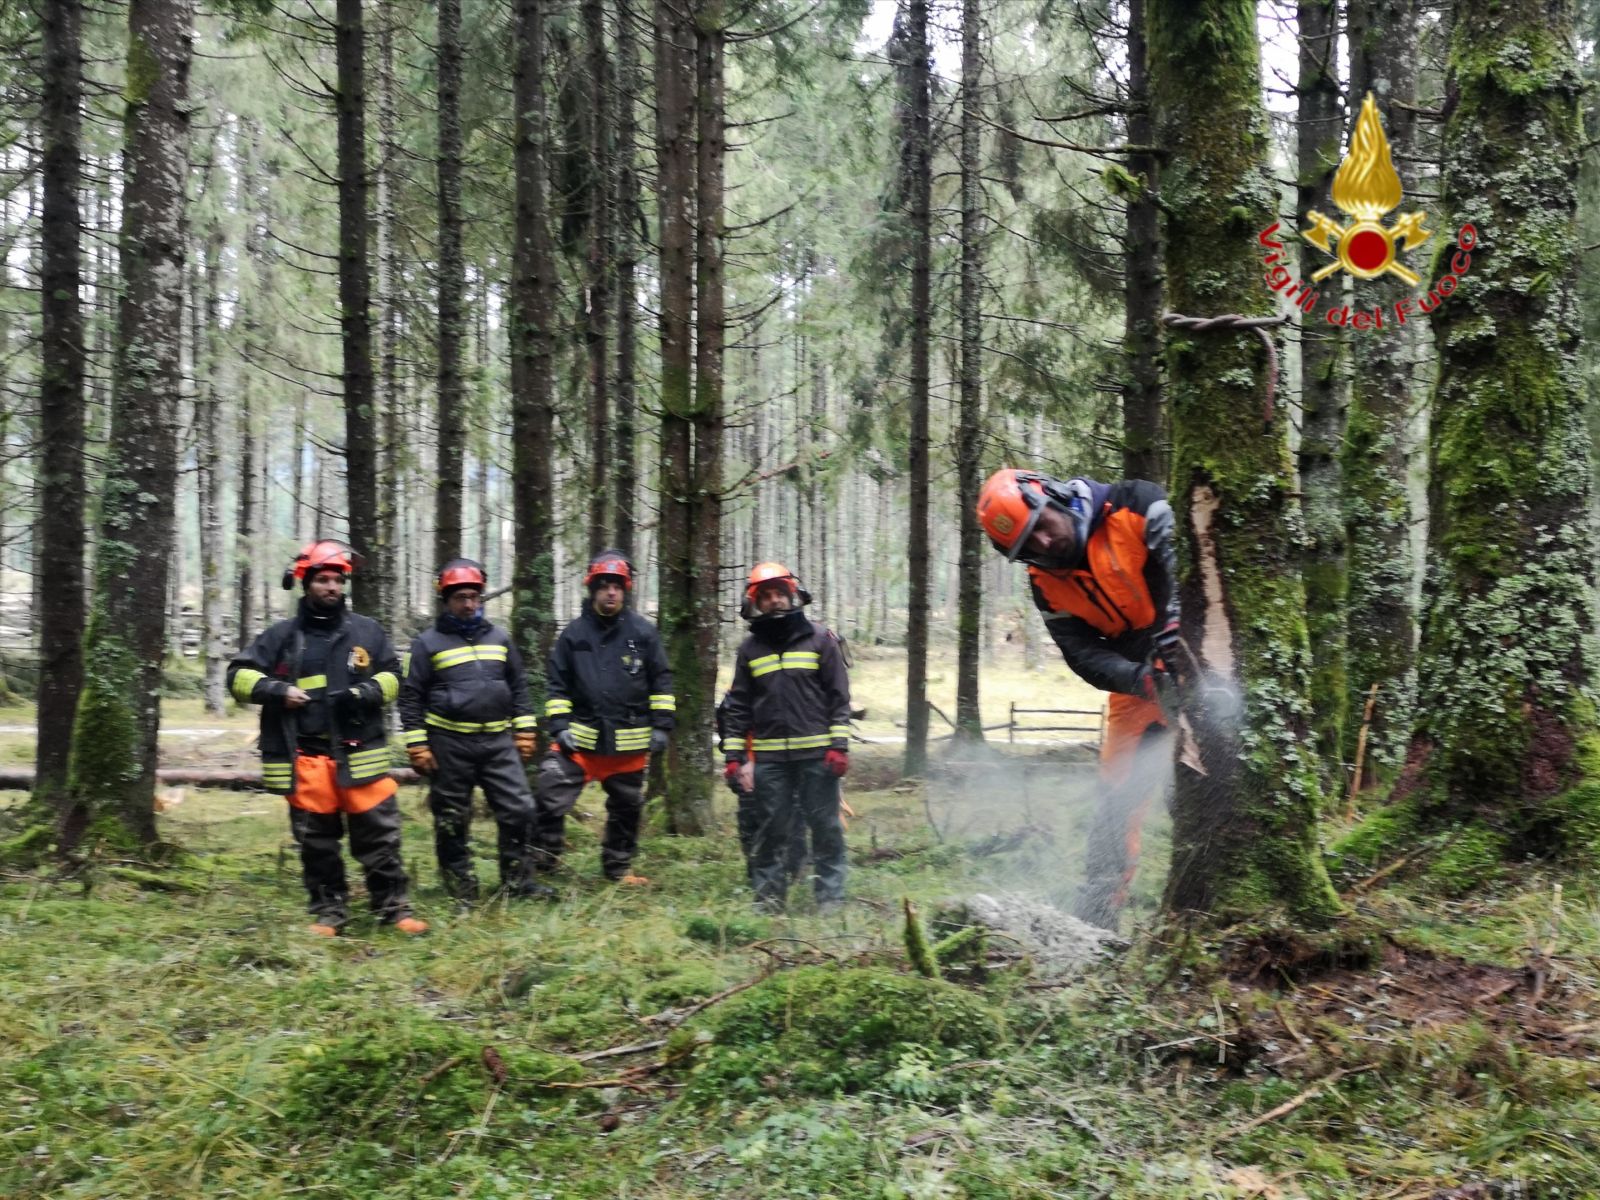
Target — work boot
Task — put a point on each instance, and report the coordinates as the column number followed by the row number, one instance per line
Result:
column 411, row 926
column 629, row 880
column 321, row 929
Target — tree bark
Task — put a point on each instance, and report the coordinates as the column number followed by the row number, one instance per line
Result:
column 389, row 548
column 533, row 616
column 969, row 433
column 1244, row 822
column 919, row 215
column 448, row 525
column 1505, row 741
column 60, row 550
column 1144, row 438
column 114, row 748
column 208, row 427
column 355, row 317
column 598, row 265
column 245, row 530
column 625, row 477
column 1322, row 396
column 1380, row 616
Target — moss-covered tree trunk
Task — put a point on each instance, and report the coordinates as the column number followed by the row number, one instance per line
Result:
column 1322, row 392
column 1505, row 750
column 1377, row 512
column 1244, row 811
column 114, row 743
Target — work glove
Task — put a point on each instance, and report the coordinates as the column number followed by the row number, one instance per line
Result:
column 351, row 702
column 527, row 744
column 568, row 743
column 838, row 762
column 658, row 741
column 1160, row 687
column 730, row 773
column 1167, row 642
column 422, row 760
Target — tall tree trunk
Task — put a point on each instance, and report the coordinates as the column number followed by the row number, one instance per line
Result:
column 355, row 319
column 688, row 806
column 60, row 548
column 1377, row 509
column 921, row 230
column 208, row 428
column 691, row 782
column 969, row 432
column 1505, row 744
column 245, row 530
column 1322, row 394
column 1144, row 454
column 1244, row 823
column 532, row 411
column 391, row 469
column 448, row 525
column 625, row 473
column 114, row 747
column 597, row 286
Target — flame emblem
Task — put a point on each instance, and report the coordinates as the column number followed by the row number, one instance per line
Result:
column 1366, row 187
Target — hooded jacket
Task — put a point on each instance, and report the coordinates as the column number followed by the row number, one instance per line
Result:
column 609, row 682
column 359, row 657
column 1104, row 612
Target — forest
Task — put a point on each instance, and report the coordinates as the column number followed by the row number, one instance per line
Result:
column 676, row 290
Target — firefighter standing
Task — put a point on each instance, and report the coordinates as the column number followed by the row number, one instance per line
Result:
column 464, row 707
column 1100, row 559
column 791, row 692
column 609, row 707
column 322, row 678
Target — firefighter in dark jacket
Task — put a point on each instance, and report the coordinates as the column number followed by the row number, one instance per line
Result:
column 791, row 695
column 609, row 707
column 1104, row 576
column 322, row 678
column 464, row 708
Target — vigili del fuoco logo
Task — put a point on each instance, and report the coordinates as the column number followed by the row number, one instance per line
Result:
column 1366, row 187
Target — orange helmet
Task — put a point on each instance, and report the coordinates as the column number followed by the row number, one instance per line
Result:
column 767, row 572
column 459, row 573
column 610, row 562
column 325, row 555
column 1009, row 506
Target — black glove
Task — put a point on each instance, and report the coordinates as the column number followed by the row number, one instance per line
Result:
column 348, row 704
column 658, row 741
column 567, row 742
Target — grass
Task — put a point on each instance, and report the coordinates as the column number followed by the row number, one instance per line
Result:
column 158, row 1044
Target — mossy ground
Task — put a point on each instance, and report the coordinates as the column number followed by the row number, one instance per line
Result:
column 158, row 1044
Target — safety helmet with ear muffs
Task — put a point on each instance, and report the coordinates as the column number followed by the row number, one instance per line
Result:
column 1009, row 507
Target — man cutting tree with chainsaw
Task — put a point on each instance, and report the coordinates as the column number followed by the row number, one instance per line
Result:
column 1101, row 562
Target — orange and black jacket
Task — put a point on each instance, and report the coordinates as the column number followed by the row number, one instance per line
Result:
column 790, row 690
column 1104, row 613
column 464, row 685
column 360, row 658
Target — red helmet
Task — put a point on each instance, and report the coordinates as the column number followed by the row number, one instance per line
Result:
column 767, row 572
column 610, row 562
column 1008, row 508
column 459, row 573
column 325, row 555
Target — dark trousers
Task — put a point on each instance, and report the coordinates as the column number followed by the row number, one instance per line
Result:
column 806, row 789
column 489, row 761
column 560, row 781
column 797, row 850
column 375, row 842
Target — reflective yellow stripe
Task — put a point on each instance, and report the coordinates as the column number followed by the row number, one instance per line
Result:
column 587, row 736
column 816, row 741
column 466, row 726
column 801, row 660
column 370, row 762
column 664, row 703
column 766, row 664
column 416, row 736
column 244, row 682
column 388, row 684
column 526, row 721
column 635, row 738
column 405, row 663
column 557, row 708
column 462, row 654
column 311, row 682
column 839, row 731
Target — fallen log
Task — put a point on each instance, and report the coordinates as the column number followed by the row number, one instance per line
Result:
column 22, row 778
